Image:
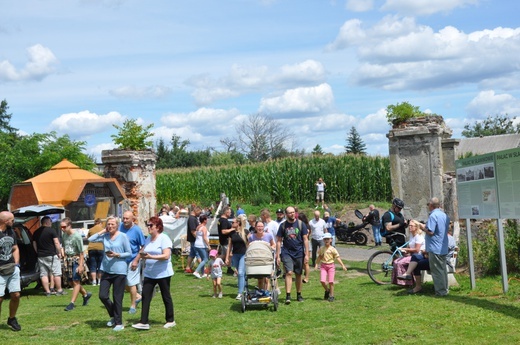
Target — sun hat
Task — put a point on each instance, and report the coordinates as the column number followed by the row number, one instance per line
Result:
column 327, row 235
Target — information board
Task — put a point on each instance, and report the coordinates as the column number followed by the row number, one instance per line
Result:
column 508, row 179
column 477, row 191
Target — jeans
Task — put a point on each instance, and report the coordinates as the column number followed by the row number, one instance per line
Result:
column 203, row 254
column 315, row 245
column 148, row 289
column 376, row 229
column 238, row 261
column 114, row 308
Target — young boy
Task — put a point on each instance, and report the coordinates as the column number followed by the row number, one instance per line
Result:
column 74, row 261
column 326, row 256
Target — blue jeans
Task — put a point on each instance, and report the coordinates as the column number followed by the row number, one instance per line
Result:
column 238, row 261
column 203, row 254
column 377, row 233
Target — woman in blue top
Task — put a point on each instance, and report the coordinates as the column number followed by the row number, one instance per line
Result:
column 158, row 270
column 114, row 267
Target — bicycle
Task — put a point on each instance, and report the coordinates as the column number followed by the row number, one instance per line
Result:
column 380, row 264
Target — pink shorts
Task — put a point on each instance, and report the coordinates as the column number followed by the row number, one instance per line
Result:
column 327, row 271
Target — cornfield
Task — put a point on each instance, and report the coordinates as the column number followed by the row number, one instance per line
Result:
column 349, row 178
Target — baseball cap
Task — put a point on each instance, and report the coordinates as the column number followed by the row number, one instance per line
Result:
column 213, row 253
column 327, row 235
column 279, row 210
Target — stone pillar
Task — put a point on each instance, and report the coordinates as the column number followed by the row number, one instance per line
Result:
column 135, row 171
column 416, row 163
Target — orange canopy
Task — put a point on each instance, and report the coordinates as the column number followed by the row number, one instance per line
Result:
column 60, row 186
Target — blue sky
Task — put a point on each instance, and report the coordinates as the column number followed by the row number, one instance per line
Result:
column 198, row 68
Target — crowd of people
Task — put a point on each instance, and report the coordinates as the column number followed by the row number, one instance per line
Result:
column 118, row 251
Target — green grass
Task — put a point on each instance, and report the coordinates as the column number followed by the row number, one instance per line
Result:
column 363, row 313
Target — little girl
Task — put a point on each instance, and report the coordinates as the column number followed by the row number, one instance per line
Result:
column 326, row 256
column 215, row 265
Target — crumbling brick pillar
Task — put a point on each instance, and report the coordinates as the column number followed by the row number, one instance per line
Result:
column 135, row 171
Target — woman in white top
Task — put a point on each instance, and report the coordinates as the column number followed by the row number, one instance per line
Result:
column 158, row 270
column 201, row 245
column 416, row 244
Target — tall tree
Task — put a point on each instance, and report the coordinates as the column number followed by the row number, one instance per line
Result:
column 5, row 119
column 317, row 150
column 497, row 125
column 354, row 142
column 262, row 137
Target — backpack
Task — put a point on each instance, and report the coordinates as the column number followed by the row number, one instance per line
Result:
column 383, row 229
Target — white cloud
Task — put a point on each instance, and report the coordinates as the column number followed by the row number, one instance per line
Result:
column 96, row 150
column 41, row 63
column 488, row 103
column 425, row 7
column 301, row 100
column 399, row 54
column 359, row 5
column 85, row 123
column 155, row 91
column 242, row 80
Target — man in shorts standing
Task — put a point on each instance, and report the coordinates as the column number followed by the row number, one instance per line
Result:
column 136, row 239
column 294, row 253
column 48, row 249
column 193, row 223
column 320, row 192
column 10, row 267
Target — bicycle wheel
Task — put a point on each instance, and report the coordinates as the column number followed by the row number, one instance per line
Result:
column 380, row 267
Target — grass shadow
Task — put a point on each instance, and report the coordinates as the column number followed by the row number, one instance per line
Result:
column 507, row 310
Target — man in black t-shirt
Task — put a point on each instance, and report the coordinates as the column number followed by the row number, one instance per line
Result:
column 224, row 229
column 193, row 223
column 47, row 247
column 10, row 262
column 393, row 220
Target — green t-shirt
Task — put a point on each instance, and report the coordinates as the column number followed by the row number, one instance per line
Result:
column 72, row 244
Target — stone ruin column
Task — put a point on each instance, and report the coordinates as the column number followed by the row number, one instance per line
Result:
column 135, row 171
column 416, row 163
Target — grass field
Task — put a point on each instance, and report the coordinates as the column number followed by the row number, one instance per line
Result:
column 363, row 313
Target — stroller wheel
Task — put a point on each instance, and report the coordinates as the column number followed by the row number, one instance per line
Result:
column 274, row 297
column 243, row 300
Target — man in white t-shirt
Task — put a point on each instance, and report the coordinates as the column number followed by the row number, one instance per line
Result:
column 270, row 226
column 318, row 228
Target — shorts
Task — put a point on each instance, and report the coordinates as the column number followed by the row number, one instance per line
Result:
column 133, row 277
column 75, row 275
column 49, row 265
column 12, row 282
column 327, row 272
column 320, row 196
column 215, row 276
column 292, row 264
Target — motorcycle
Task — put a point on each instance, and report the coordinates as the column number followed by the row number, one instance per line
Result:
column 346, row 233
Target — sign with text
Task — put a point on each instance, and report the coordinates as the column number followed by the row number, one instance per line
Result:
column 488, row 186
column 477, row 192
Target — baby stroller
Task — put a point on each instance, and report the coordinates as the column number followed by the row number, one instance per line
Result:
column 260, row 263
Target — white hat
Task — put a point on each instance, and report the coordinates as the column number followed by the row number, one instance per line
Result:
column 327, row 235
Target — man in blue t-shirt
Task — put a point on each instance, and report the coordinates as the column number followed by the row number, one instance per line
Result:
column 331, row 221
column 136, row 239
column 436, row 241
column 294, row 253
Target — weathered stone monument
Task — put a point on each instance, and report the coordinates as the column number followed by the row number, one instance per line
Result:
column 135, row 171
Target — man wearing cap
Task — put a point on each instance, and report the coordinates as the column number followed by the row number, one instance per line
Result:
column 330, row 221
column 280, row 218
column 436, row 241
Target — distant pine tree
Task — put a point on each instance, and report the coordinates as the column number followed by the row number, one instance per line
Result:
column 354, row 143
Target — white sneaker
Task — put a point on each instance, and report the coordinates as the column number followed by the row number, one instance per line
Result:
column 214, row 295
column 118, row 328
column 239, row 296
column 220, row 295
column 170, row 324
column 110, row 322
column 197, row 275
column 204, row 275
column 139, row 325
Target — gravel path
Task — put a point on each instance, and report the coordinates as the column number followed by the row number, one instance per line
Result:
column 355, row 253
